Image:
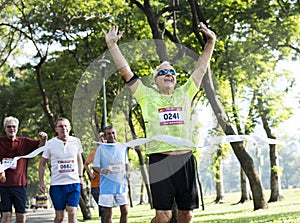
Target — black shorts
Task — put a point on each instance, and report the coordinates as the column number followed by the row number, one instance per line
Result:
column 13, row 196
column 173, row 177
column 95, row 191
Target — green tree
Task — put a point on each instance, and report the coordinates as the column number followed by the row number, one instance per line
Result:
column 252, row 37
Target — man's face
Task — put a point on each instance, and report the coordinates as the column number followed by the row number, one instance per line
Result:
column 168, row 80
column 110, row 135
column 62, row 128
column 11, row 129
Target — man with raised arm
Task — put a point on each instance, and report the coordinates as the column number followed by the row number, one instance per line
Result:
column 14, row 184
column 172, row 171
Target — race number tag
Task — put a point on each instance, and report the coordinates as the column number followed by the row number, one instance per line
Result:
column 171, row 116
column 116, row 167
column 65, row 166
column 9, row 161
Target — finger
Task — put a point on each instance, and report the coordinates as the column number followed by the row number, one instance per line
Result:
column 116, row 29
column 112, row 30
column 42, row 134
column 120, row 34
column 104, row 32
column 202, row 25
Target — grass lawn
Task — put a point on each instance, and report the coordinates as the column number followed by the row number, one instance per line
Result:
column 285, row 211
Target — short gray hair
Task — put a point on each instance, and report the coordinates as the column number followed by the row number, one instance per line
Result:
column 11, row 119
column 157, row 68
column 62, row 119
column 107, row 127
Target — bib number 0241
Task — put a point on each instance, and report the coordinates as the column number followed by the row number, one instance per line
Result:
column 171, row 116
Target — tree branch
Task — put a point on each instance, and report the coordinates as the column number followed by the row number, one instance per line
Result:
column 290, row 46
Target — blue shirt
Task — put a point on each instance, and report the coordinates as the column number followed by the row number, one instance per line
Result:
column 112, row 156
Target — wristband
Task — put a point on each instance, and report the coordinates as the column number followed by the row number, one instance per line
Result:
column 132, row 80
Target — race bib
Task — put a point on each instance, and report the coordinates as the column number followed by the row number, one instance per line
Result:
column 9, row 161
column 65, row 166
column 171, row 116
column 116, row 167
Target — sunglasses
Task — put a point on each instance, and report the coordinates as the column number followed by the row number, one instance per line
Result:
column 11, row 126
column 165, row 71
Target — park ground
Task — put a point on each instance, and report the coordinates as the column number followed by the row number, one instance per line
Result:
column 284, row 211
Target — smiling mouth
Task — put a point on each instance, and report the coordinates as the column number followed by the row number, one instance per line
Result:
column 168, row 78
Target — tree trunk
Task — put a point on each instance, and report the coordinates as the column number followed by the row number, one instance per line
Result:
column 274, row 165
column 144, row 174
column 219, row 177
column 83, row 204
column 46, row 105
column 276, row 194
column 142, row 194
column 153, row 21
column 141, row 159
column 245, row 193
column 129, row 192
column 238, row 147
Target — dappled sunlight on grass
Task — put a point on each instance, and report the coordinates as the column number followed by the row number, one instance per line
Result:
column 285, row 211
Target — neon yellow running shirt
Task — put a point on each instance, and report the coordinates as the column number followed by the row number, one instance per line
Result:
column 167, row 114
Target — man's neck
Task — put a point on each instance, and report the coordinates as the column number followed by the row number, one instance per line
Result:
column 63, row 138
column 166, row 91
column 12, row 138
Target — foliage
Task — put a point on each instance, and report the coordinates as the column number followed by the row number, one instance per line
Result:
column 252, row 36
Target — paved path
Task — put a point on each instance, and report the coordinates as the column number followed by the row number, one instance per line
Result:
column 41, row 216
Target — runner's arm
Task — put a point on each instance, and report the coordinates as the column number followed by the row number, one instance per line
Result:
column 80, row 165
column 111, row 38
column 204, row 59
column 42, row 168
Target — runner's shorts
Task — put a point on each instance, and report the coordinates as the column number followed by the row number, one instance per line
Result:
column 65, row 195
column 109, row 200
column 95, row 191
column 16, row 196
column 173, row 177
